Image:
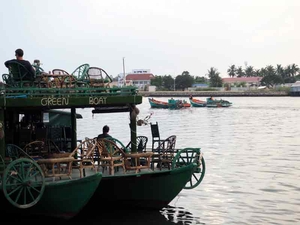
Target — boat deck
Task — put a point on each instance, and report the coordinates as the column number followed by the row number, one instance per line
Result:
column 105, row 173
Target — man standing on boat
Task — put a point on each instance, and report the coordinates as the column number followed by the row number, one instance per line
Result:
column 19, row 58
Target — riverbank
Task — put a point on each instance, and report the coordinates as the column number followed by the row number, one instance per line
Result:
column 213, row 93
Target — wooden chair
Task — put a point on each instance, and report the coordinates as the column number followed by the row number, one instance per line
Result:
column 8, row 80
column 156, row 141
column 163, row 155
column 14, row 152
column 84, row 154
column 59, row 72
column 80, row 74
column 62, row 79
column 111, row 155
column 36, row 149
column 97, row 77
column 141, row 142
column 20, row 75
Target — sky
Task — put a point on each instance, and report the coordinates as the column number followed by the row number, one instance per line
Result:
column 165, row 36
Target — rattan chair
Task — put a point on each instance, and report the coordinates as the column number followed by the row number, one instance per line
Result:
column 36, row 149
column 164, row 153
column 84, row 154
column 97, row 77
column 111, row 155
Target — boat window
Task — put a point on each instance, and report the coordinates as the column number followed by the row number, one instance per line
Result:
column 21, row 116
column 45, row 117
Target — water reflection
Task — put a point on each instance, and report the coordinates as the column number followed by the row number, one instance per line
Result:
column 179, row 215
column 97, row 215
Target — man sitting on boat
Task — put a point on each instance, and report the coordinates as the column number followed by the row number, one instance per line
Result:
column 19, row 58
column 104, row 134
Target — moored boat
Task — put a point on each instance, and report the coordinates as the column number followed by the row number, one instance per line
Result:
column 170, row 104
column 61, row 199
column 131, row 176
column 178, row 104
column 153, row 190
column 154, row 103
column 214, row 103
column 197, row 102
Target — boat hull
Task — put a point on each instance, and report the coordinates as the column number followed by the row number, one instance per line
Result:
column 158, row 104
column 197, row 103
column 217, row 103
column 171, row 104
column 151, row 190
column 178, row 104
column 62, row 199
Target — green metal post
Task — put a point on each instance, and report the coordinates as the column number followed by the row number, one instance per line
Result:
column 133, row 129
column 2, row 138
column 74, row 129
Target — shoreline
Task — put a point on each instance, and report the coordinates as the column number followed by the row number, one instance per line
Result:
column 213, row 93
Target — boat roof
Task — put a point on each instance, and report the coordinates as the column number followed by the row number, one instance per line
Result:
column 102, row 99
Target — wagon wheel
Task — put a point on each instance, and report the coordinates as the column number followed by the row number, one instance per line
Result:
column 187, row 156
column 23, row 183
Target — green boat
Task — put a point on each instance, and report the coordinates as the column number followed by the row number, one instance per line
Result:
column 60, row 199
column 131, row 177
column 216, row 103
column 25, row 190
column 197, row 102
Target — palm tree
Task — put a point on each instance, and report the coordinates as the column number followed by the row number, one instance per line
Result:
column 214, row 77
column 294, row 69
column 257, row 73
column 231, row 71
column 249, row 71
column 270, row 70
column 240, row 72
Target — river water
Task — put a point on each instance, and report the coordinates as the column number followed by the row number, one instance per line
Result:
column 251, row 150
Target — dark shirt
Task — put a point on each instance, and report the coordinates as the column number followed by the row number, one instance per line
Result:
column 26, row 64
column 103, row 136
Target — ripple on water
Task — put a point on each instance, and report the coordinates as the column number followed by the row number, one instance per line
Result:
column 251, row 152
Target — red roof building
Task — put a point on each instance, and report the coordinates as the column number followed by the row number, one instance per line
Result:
column 247, row 80
column 140, row 80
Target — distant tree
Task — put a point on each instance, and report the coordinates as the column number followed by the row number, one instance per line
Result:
column 270, row 78
column 249, row 71
column 294, row 69
column 290, row 72
column 240, row 72
column 200, row 80
column 280, row 70
column 168, row 82
column 257, row 73
column 184, row 80
column 231, row 71
column 157, row 81
column 214, row 78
